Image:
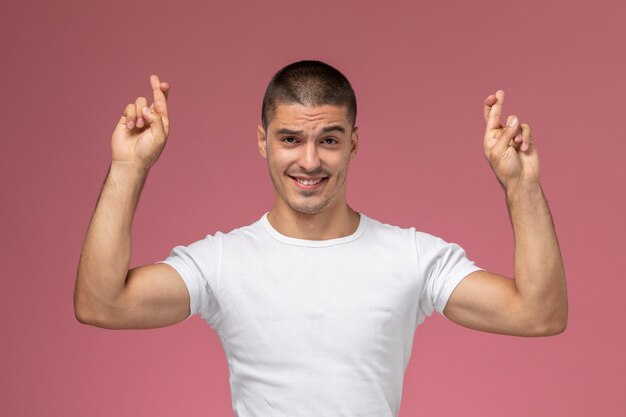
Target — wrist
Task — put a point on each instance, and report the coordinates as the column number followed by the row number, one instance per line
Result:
column 523, row 190
column 129, row 169
column 127, row 176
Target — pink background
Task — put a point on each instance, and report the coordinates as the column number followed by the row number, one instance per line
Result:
column 421, row 70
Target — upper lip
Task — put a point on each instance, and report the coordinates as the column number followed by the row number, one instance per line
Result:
column 300, row 177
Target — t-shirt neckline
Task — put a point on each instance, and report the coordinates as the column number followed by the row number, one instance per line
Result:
column 363, row 219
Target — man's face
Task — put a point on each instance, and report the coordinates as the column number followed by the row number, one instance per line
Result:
column 308, row 150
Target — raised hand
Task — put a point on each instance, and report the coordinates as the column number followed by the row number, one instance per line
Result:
column 141, row 133
column 509, row 149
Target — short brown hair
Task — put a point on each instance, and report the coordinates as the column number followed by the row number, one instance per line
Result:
column 310, row 83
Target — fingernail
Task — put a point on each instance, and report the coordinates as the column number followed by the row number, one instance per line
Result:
column 146, row 110
column 139, row 122
column 130, row 124
column 513, row 121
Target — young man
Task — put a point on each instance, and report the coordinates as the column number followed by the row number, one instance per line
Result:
column 316, row 304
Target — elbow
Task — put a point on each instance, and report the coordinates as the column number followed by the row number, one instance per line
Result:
column 81, row 317
column 89, row 308
column 546, row 316
column 553, row 325
column 86, row 311
column 81, row 301
column 557, row 322
column 92, row 312
column 560, row 324
column 82, row 311
column 88, row 316
column 554, row 328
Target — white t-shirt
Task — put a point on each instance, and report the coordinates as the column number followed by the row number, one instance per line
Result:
column 318, row 328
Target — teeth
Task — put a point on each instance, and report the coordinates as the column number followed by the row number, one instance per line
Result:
column 308, row 182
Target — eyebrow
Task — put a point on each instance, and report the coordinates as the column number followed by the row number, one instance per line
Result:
column 332, row 128
column 327, row 129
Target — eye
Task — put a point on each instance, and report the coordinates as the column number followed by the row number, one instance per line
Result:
column 289, row 139
column 330, row 141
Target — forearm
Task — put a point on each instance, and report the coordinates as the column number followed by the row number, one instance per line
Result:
column 539, row 273
column 106, row 252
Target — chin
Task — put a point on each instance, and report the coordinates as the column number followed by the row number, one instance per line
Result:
column 309, row 209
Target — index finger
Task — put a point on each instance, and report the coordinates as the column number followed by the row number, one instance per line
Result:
column 494, row 114
column 489, row 101
column 160, row 97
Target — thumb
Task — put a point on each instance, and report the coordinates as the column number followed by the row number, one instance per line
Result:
column 155, row 121
column 508, row 133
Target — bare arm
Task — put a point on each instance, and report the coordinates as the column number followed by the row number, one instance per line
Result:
column 534, row 303
column 108, row 294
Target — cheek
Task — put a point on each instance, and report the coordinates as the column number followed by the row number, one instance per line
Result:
column 285, row 160
column 277, row 163
column 340, row 163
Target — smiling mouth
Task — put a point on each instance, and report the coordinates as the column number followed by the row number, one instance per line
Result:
column 308, row 183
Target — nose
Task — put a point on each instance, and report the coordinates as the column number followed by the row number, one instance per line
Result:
column 309, row 159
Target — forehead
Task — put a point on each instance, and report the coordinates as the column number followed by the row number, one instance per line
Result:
column 297, row 116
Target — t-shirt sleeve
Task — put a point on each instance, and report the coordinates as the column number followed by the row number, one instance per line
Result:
column 442, row 267
column 198, row 266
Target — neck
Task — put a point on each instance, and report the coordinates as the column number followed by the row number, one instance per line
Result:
column 328, row 224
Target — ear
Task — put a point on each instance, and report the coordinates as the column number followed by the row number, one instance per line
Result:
column 354, row 140
column 262, row 140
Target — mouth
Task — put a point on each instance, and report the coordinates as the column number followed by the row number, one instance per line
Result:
column 308, row 183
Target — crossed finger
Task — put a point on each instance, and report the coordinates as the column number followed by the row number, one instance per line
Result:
column 514, row 134
column 493, row 110
column 522, row 139
column 159, row 93
column 133, row 112
column 525, row 138
column 140, row 103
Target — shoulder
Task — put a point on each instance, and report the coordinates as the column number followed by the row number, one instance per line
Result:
column 424, row 242
column 389, row 235
column 246, row 231
column 213, row 241
column 381, row 229
column 253, row 235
